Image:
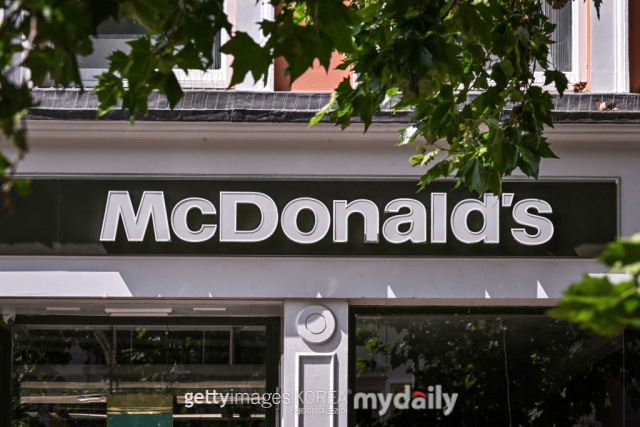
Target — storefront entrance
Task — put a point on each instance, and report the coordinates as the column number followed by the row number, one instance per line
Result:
column 75, row 371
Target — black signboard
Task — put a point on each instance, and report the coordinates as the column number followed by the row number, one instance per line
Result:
column 309, row 218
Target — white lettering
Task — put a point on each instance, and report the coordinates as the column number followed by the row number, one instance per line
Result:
column 490, row 211
column 416, row 218
column 224, row 398
column 450, row 402
column 341, row 212
column 152, row 207
column 290, row 216
column 543, row 225
column 409, row 226
column 362, row 401
column 401, row 400
column 229, row 202
column 438, row 217
column 179, row 220
column 188, row 400
column 385, row 402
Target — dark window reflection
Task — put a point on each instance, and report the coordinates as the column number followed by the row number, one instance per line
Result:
column 505, row 370
column 62, row 375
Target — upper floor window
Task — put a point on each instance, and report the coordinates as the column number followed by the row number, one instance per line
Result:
column 564, row 54
column 560, row 52
column 114, row 35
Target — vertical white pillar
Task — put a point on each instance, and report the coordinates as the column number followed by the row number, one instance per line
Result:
column 315, row 363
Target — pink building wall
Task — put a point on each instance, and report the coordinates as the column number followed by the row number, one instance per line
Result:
column 316, row 79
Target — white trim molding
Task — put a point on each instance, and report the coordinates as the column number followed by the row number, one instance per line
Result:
column 312, row 384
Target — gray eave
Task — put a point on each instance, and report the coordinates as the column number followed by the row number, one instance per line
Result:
column 294, row 107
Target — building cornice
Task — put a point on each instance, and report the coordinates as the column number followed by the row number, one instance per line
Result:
column 296, row 107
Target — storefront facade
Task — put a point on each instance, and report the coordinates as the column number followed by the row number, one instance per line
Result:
column 224, row 247
column 273, row 298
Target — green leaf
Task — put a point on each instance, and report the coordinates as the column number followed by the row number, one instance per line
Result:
column 597, row 304
column 429, row 157
column 149, row 13
column 438, row 170
column 109, row 88
column 320, row 114
column 425, row 57
column 475, row 176
column 560, row 79
column 171, row 88
column 409, row 134
column 623, row 255
column 416, row 160
column 370, row 10
column 433, row 53
column 389, row 93
column 507, row 67
column 4, row 162
column 423, row 159
column 248, row 57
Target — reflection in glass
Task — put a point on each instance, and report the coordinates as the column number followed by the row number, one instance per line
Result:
column 506, row 370
column 62, row 375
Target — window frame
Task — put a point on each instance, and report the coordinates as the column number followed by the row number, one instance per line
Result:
column 209, row 79
column 371, row 310
column 574, row 75
column 193, row 79
column 379, row 310
column 272, row 324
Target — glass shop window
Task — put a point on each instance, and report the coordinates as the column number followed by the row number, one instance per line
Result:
column 461, row 369
column 65, row 376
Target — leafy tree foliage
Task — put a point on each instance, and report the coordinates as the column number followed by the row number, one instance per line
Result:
column 434, row 53
column 600, row 305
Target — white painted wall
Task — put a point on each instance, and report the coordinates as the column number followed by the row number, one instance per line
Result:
column 610, row 47
column 272, row 150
